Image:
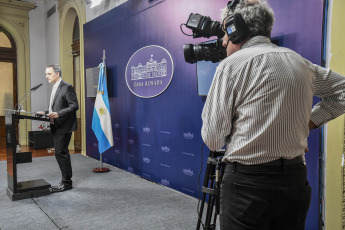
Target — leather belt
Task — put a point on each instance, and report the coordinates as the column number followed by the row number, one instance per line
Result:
column 279, row 163
column 282, row 161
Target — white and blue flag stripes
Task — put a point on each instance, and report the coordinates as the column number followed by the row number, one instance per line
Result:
column 101, row 120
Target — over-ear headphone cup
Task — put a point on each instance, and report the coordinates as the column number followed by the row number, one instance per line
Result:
column 241, row 32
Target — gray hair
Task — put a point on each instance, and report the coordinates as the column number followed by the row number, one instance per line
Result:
column 257, row 14
column 56, row 68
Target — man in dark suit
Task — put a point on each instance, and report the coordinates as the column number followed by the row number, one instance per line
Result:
column 62, row 113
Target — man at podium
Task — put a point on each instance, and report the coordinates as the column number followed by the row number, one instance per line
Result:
column 62, row 113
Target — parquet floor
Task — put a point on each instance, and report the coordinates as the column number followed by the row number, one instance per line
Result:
column 24, row 148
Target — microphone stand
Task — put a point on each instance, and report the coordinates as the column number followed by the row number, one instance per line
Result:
column 19, row 106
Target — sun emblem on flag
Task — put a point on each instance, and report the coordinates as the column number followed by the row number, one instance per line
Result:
column 101, row 111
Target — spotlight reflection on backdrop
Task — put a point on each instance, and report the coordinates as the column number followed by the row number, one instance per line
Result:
column 93, row 2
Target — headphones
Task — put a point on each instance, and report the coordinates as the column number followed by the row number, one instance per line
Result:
column 234, row 24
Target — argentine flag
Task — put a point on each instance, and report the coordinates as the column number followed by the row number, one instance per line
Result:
column 101, row 120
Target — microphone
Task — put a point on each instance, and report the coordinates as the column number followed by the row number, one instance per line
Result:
column 19, row 105
column 36, row 87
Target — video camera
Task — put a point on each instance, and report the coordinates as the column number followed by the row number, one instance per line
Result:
column 203, row 26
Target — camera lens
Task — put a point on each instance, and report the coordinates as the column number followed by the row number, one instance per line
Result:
column 193, row 53
column 188, row 53
column 216, row 29
column 214, row 52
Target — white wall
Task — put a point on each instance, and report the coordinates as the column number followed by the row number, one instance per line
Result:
column 44, row 50
column 105, row 6
column 52, row 34
column 37, row 58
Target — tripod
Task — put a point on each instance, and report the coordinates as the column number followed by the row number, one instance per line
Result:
column 210, row 189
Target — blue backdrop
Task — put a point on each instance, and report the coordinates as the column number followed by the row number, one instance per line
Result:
column 159, row 138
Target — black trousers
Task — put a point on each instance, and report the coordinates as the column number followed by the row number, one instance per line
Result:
column 264, row 197
column 61, row 142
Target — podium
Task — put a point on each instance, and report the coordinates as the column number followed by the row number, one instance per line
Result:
column 25, row 189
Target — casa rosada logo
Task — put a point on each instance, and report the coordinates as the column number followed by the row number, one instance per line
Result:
column 149, row 71
column 146, row 160
column 165, row 182
column 146, row 130
column 188, row 135
column 165, row 149
column 188, row 172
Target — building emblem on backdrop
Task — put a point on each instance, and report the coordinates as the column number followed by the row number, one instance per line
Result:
column 149, row 71
column 188, row 172
column 188, row 135
column 146, row 130
column 146, row 160
column 165, row 149
column 165, row 182
column 152, row 69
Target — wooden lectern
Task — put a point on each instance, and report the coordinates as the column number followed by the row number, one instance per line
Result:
column 26, row 189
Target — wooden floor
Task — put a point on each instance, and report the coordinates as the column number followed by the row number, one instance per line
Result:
column 35, row 152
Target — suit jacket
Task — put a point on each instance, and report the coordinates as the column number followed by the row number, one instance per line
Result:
column 65, row 103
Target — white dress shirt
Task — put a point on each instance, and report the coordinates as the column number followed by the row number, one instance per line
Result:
column 52, row 95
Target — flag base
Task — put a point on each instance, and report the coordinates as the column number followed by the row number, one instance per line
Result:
column 101, row 170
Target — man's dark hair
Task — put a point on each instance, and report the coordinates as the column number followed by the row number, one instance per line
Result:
column 56, row 68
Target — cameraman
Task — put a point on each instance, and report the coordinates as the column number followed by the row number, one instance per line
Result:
column 260, row 107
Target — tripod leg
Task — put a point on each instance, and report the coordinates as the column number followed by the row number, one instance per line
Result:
column 220, row 171
column 220, row 167
column 210, row 205
column 205, row 184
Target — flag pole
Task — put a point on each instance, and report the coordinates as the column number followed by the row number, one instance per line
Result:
column 101, row 169
column 100, row 161
column 103, row 58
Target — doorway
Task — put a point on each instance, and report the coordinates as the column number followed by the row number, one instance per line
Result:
column 8, row 75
